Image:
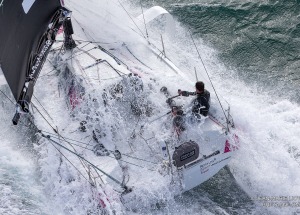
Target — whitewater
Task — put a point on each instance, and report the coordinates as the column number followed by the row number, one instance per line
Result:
column 267, row 163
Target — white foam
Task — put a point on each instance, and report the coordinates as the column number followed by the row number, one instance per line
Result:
column 267, row 128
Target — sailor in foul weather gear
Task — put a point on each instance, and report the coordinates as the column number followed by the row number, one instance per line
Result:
column 201, row 104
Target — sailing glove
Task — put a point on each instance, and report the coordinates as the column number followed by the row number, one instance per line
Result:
column 184, row 93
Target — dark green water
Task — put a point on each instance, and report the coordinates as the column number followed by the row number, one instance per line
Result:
column 260, row 40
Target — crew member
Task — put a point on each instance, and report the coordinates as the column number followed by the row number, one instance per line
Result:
column 202, row 103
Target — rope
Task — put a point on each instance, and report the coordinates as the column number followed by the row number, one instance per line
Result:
column 89, row 173
column 144, row 19
column 47, row 74
column 209, row 78
column 51, row 135
column 131, row 19
column 87, row 51
column 56, row 131
column 42, row 107
column 84, row 147
column 132, row 164
column 100, row 47
column 69, row 162
column 88, row 41
column 55, row 67
column 109, row 176
column 50, row 142
column 68, row 138
column 136, row 57
column 83, row 52
column 117, row 19
column 45, row 119
column 7, row 97
column 139, row 159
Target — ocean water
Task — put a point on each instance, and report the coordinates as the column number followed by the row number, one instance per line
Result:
column 255, row 66
column 257, row 39
column 251, row 51
column 20, row 189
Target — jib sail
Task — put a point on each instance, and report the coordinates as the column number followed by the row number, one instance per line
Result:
column 28, row 30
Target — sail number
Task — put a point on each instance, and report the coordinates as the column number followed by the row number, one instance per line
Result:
column 27, row 4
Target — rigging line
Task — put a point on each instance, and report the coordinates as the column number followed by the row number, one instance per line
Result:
column 114, row 17
column 7, row 97
column 141, row 136
column 111, row 156
column 53, row 50
column 80, row 53
column 139, row 159
column 57, row 48
column 131, row 18
column 47, row 74
column 144, row 19
column 105, row 79
column 84, row 75
column 136, row 57
column 87, row 51
column 137, row 165
column 45, row 118
column 60, row 152
column 82, row 163
column 83, row 167
column 128, row 12
column 54, row 66
column 70, row 162
column 98, row 74
column 141, row 35
column 100, row 47
column 196, row 74
column 208, row 76
column 52, row 63
column 89, row 54
column 109, row 176
column 68, row 138
column 112, row 55
column 214, row 119
column 56, row 131
column 89, row 41
column 42, row 107
column 132, row 164
column 117, row 71
column 74, row 144
column 50, row 134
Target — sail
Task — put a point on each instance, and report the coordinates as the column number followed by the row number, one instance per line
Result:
column 28, row 30
column 23, row 25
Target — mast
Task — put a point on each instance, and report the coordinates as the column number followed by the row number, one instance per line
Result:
column 29, row 31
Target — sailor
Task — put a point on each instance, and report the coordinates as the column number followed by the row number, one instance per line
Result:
column 202, row 103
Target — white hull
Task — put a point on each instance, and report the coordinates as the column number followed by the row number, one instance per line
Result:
column 199, row 172
column 89, row 66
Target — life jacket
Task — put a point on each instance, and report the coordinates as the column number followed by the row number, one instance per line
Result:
column 201, row 104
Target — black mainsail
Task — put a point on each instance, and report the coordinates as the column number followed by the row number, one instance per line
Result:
column 28, row 30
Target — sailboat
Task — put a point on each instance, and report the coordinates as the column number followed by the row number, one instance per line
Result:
column 118, row 104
